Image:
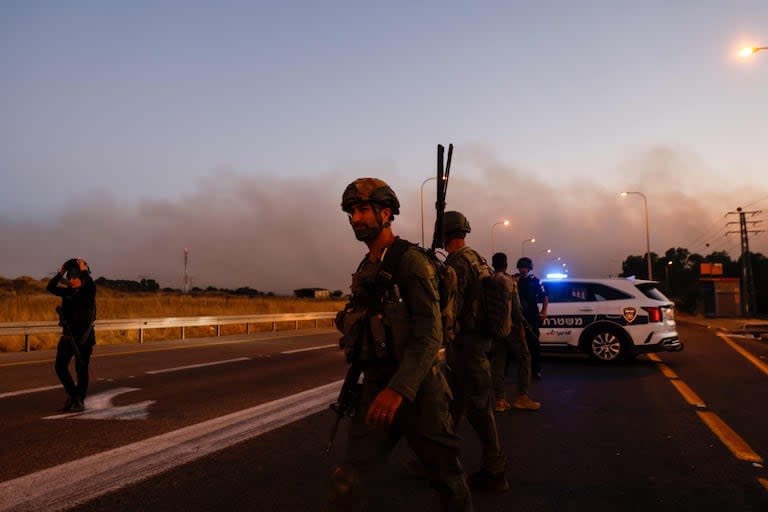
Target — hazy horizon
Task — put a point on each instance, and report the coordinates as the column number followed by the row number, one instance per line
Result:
column 132, row 131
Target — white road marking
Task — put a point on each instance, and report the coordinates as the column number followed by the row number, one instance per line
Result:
column 67, row 485
column 99, row 407
column 308, row 349
column 26, row 391
column 201, row 365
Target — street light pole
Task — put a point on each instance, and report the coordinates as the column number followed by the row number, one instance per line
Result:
column 493, row 235
column 421, row 195
column 666, row 268
column 647, row 231
column 522, row 244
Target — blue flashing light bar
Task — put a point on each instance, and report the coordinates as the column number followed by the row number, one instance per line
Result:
column 557, row 275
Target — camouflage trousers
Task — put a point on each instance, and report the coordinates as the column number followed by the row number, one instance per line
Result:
column 426, row 425
column 502, row 350
column 469, row 376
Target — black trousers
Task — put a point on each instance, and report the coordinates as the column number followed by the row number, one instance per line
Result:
column 534, row 347
column 65, row 351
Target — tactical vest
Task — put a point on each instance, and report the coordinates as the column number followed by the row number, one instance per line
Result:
column 374, row 324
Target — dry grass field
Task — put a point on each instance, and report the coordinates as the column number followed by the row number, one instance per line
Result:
column 25, row 300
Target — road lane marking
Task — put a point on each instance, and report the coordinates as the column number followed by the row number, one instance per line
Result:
column 30, row 390
column 741, row 350
column 735, row 443
column 308, row 349
column 100, row 407
column 740, row 449
column 200, row 365
column 688, row 394
column 76, row 482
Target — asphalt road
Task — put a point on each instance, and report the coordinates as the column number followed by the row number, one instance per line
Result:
column 205, row 425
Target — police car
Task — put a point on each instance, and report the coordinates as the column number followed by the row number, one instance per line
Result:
column 609, row 319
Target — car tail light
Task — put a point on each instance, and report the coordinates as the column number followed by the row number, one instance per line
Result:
column 654, row 314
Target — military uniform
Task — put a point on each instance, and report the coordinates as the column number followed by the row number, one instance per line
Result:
column 470, row 369
column 512, row 345
column 531, row 293
column 395, row 338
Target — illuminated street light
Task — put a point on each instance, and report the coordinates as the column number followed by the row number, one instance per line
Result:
column 493, row 234
column 522, row 244
column 647, row 231
column 748, row 50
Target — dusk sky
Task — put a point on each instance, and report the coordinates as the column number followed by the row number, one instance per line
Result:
column 131, row 130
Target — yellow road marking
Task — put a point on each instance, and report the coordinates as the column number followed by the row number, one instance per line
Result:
column 741, row 350
column 690, row 396
column 740, row 449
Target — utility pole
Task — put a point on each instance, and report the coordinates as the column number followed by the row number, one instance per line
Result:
column 186, row 273
column 748, row 302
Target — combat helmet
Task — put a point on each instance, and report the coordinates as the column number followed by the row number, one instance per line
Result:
column 76, row 264
column 525, row 262
column 455, row 222
column 369, row 190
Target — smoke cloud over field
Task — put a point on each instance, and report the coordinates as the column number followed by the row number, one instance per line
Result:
column 280, row 233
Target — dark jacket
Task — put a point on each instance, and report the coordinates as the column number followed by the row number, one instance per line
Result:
column 78, row 305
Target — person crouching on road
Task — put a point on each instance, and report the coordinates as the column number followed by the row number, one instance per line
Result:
column 392, row 331
column 77, row 312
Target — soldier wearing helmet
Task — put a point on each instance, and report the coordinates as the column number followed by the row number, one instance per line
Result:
column 77, row 312
column 392, row 330
column 467, row 357
column 532, row 293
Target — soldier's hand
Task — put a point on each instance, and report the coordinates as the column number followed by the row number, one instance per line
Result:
column 384, row 407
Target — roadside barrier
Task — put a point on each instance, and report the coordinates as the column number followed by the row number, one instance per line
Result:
column 52, row 327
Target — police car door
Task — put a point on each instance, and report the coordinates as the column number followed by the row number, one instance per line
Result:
column 571, row 308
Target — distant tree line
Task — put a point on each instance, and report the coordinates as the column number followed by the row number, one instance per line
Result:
column 680, row 279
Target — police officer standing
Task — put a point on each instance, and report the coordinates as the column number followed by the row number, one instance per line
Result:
column 77, row 313
column 470, row 369
column 532, row 292
column 392, row 330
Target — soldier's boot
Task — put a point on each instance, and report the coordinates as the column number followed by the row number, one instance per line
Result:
column 77, row 404
column 345, row 493
column 502, row 405
column 484, row 480
column 524, row 402
column 68, row 404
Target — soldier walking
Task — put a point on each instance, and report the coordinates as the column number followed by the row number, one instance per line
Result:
column 470, row 369
column 392, row 331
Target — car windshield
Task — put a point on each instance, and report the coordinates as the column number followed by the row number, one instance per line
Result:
column 650, row 291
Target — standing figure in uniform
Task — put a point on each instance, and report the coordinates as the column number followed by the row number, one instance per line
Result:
column 392, row 332
column 513, row 344
column 467, row 358
column 532, row 292
column 77, row 313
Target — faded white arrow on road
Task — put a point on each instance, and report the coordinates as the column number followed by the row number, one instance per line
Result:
column 99, row 407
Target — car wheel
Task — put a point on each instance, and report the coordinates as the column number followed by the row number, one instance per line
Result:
column 606, row 345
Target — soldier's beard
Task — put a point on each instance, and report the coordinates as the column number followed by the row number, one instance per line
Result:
column 366, row 233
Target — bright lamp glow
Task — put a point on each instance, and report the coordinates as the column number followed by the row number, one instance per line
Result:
column 556, row 275
column 746, row 51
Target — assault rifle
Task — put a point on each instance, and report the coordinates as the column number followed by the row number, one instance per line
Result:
column 348, row 403
column 438, row 239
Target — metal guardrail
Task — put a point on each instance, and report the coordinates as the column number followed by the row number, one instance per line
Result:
column 52, row 327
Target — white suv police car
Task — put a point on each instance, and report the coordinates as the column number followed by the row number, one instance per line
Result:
column 609, row 319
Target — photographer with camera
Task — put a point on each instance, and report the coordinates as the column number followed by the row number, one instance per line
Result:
column 77, row 313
